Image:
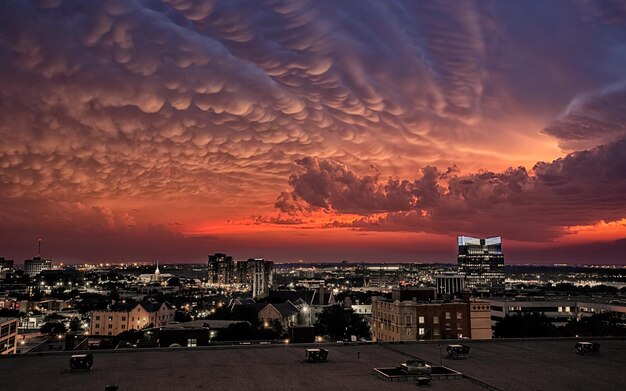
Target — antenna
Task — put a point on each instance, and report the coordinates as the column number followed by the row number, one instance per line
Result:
column 39, row 249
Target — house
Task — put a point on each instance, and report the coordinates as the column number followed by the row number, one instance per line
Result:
column 286, row 313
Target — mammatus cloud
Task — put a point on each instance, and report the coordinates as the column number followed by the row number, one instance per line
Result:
column 582, row 188
column 197, row 111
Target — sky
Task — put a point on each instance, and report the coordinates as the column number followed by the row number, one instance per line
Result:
column 313, row 130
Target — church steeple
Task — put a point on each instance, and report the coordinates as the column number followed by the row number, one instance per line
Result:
column 157, row 273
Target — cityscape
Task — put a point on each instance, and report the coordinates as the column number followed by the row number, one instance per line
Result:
column 304, row 195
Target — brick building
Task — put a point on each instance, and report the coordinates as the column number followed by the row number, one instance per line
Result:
column 408, row 320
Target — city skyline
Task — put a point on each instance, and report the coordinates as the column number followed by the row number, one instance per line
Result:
column 315, row 131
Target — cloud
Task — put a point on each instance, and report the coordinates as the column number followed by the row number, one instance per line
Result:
column 204, row 109
column 592, row 119
column 581, row 188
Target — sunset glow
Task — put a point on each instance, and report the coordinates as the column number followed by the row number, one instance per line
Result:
column 315, row 130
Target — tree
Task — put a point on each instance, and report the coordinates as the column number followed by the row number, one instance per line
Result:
column 51, row 328
column 605, row 324
column 338, row 323
column 75, row 325
column 525, row 325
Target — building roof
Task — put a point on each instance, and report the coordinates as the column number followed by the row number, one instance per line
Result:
column 497, row 364
column 285, row 309
column 281, row 296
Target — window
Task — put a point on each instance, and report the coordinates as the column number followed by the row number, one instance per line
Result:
column 422, row 331
column 110, row 326
column 421, row 320
column 97, row 325
column 192, row 342
column 408, row 331
column 448, row 315
column 123, row 318
column 435, row 319
column 97, row 317
column 123, row 326
column 459, row 315
column 110, row 333
column 408, row 320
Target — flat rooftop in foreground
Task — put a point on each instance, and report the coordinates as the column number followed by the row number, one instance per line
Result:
column 499, row 364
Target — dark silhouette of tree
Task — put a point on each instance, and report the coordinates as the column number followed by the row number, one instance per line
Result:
column 338, row 324
column 525, row 325
column 51, row 328
column 75, row 325
column 605, row 324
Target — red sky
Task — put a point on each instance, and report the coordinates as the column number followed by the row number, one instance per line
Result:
column 313, row 130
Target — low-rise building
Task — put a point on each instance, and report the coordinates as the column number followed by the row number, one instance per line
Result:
column 558, row 309
column 8, row 335
column 123, row 317
column 411, row 320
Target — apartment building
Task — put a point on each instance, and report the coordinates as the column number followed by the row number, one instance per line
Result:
column 122, row 317
column 409, row 320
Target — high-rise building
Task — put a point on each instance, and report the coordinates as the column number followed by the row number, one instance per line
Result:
column 36, row 265
column 482, row 262
column 257, row 274
column 221, row 269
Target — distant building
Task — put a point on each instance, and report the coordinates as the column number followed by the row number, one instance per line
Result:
column 257, row 274
column 558, row 309
column 221, row 269
column 34, row 266
column 123, row 317
column 482, row 262
column 8, row 335
column 449, row 284
column 157, row 276
column 6, row 264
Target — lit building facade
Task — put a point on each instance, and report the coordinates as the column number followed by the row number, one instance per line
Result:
column 449, row 283
column 482, row 262
column 34, row 266
column 413, row 320
column 257, row 274
column 221, row 269
column 8, row 335
column 120, row 318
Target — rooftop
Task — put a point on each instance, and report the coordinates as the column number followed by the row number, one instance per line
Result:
column 496, row 365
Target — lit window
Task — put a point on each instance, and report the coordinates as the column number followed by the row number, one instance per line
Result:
column 448, row 315
column 435, row 319
column 192, row 342
column 421, row 320
column 422, row 331
column 459, row 315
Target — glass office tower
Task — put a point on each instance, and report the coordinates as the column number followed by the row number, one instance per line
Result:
column 482, row 262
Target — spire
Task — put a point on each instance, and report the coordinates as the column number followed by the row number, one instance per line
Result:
column 157, row 273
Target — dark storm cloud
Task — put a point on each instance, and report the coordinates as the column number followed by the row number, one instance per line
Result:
column 582, row 188
column 592, row 119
